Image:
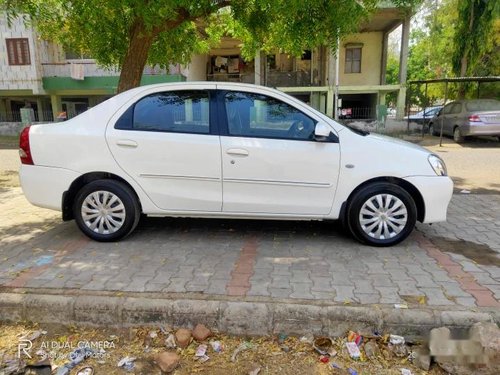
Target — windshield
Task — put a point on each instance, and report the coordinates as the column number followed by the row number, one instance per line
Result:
column 483, row 105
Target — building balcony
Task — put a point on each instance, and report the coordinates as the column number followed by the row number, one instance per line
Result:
column 289, row 79
column 86, row 77
column 89, row 68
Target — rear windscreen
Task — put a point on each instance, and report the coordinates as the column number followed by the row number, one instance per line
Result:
column 483, row 105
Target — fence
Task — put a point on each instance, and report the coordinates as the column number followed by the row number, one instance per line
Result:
column 359, row 113
column 40, row 116
column 232, row 77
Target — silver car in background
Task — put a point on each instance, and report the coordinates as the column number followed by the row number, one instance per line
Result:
column 463, row 118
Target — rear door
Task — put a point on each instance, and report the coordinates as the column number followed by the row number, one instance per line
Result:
column 167, row 142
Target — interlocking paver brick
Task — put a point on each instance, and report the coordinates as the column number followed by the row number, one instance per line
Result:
column 344, row 293
column 291, row 260
column 368, row 298
column 280, row 292
column 435, row 296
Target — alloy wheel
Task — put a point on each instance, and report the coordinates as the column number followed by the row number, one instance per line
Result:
column 103, row 212
column 383, row 216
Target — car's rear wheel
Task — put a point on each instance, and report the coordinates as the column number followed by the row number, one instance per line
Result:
column 457, row 135
column 106, row 210
column 381, row 214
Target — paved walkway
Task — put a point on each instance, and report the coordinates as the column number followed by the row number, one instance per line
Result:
column 455, row 264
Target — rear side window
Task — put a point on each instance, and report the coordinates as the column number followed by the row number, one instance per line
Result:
column 173, row 111
column 456, row 108
column 447, row 109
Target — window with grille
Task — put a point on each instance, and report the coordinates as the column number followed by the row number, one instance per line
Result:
column 352, row 60
column 18, row 51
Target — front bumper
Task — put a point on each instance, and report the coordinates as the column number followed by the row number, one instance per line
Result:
column 44, row 186
column 436, row 192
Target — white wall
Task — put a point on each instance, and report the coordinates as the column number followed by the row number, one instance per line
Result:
column 197, row 69
column 23, row 77
column 371, row 59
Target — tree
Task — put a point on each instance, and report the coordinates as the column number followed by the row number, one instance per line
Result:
column 452, row 41
column 473, row 37
column 131, row 33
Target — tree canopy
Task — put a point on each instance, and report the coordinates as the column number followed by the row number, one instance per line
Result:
column 443, row 38
column 132, row 33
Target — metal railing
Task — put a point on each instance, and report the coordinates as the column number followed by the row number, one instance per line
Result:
column 288, row 79
column 91, row 69
column 232, row 77
column 39, row 116
column 358, row 113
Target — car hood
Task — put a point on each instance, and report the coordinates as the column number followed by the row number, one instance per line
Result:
column 396, row 142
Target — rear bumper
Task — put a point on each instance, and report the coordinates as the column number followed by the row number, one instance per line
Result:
column 436, row 192
column 482, row 129
column 44, row 186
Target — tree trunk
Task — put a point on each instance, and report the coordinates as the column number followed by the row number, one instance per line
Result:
column 136, row 56
column 464, row 61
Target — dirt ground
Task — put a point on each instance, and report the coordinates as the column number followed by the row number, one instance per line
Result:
column 272, row 356
column 473, row 165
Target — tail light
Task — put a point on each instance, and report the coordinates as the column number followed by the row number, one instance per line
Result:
column 24, row 147
column 474, row 118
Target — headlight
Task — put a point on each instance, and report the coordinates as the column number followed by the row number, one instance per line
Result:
column 438, row 165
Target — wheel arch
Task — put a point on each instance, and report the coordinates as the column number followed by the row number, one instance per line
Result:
column 410, row 188
column 70, row 194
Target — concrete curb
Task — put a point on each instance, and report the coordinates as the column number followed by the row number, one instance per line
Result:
column 258, row 316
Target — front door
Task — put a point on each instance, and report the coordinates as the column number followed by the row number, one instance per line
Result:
column 271, row 163
column 164, row 141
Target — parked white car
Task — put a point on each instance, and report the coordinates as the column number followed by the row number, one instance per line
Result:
column 216, row 150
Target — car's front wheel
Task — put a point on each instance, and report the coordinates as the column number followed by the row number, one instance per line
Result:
column 381, row 214
column 106, row 210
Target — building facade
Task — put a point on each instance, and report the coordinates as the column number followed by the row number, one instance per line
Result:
column 38, row 74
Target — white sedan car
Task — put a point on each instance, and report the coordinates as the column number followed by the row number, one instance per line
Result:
column 223, row 150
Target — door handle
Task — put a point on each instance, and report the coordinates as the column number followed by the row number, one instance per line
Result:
column 127, row 143
column 237, row 152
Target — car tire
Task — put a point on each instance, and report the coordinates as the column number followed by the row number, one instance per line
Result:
column 381, row 214
column 457, row 135
column 432, row 130
column 106, row 210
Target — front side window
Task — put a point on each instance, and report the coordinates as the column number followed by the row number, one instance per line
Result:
column 255, row 115
column 352, row 60
column 178, row 112
column 18, row 51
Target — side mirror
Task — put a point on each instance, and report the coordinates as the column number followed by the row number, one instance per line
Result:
column 322, row 132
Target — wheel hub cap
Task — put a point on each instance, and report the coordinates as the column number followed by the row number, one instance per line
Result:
column 103, row 212
column 383, row 216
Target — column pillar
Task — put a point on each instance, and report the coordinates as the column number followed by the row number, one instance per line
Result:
column 3, row 110
column 55, row 101
column 383, row 66
column 403, row 69
column 39, row 106
column 260, row 68
column 330, row 99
